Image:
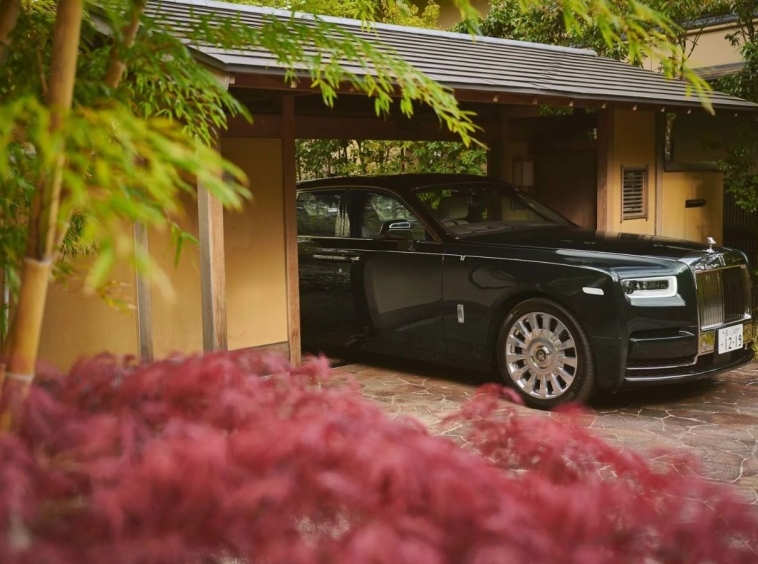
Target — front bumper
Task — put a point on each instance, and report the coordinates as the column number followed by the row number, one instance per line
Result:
column 705, row 366
column 687, row 368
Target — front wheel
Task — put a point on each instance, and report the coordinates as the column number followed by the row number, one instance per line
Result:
column 544, row 354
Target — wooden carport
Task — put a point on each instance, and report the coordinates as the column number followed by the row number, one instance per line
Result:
column 502, row 81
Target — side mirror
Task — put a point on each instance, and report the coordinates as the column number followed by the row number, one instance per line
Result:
column 396, row 231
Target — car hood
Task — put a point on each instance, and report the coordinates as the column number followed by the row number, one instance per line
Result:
column 577, row 239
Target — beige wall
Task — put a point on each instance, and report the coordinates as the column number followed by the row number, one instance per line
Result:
column 79, row 324
column 634, row 146
column 177, row 321
column 694, row 224
column 256, row 306
column 255, row 260
column 712, row 48
column 450, row 15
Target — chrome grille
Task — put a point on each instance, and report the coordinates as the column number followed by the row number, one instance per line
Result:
column 723, row 296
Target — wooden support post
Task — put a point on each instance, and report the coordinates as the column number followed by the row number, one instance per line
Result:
column 290, row 227
column 498, row 157
column 212, row 270
column 144, row 299
column 660, row 159
column 604, row 166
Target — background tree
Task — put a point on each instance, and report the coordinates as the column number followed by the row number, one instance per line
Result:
column 544, row 22
column 739, row 164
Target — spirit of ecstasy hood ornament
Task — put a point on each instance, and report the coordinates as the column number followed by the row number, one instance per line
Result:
column 711, row 241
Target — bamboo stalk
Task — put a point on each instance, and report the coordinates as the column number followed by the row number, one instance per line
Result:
column 22, row 358
column 9, row 11
column 3, row 305
column 113, row 76
column 43, row 223
column 5, row 352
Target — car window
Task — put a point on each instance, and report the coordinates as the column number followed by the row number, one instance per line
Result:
column 467, row 209
column 380, row 208
column 319, row 214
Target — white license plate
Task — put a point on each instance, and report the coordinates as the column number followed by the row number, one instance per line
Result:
column 730, row 339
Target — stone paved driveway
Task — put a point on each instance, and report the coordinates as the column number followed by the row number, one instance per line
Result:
column 716, row 419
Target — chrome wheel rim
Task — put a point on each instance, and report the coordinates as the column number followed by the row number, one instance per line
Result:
column 541, row 355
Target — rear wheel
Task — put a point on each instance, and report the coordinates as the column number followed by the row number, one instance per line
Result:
column 544, row 354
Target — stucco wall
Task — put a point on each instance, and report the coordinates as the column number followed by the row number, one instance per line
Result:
column 254, row 238
column 694, row 224
column 712, row 48
column 256, row 306
column 634, row 146
column 707, row 49
column 450, row 15
column 79, row 324
column 177, row 321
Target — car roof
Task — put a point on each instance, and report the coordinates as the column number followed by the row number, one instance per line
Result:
column 397, row 182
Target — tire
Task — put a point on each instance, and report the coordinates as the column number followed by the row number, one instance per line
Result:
column 549, row 364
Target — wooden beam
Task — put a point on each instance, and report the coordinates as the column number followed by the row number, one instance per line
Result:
column 262, row 127
column 372, row 128
column 337, row 126
column 212, row 270
column 498, row 156
column 289, row 164
column 605, row 140
column 275, row 82
column 144, row 299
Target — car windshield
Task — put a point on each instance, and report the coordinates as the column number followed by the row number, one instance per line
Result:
column 480, row 208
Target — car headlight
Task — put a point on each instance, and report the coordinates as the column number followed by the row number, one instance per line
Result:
column 660, row 287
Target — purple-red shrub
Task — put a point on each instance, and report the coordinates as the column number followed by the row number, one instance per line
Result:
column 238, row 457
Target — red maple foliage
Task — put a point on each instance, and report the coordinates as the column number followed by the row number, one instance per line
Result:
column 236, row 457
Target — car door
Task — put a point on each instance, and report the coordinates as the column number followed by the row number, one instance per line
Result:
column 389, row 283
column 320, row 222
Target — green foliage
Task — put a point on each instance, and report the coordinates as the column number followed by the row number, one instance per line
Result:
column 319, row 158
column 448, row 157
column 399, row 12
column 553, row 22
column 544, row 22
column 744, row 83
column 739, row 164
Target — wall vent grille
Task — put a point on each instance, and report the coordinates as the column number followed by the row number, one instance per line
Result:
column 633, row 193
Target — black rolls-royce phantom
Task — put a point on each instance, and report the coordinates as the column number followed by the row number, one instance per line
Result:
column 469, row 271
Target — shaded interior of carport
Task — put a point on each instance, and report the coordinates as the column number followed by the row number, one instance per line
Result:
column 247, row 261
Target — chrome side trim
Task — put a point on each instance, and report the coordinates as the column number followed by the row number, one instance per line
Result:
column 666, row 367
column 656, row 378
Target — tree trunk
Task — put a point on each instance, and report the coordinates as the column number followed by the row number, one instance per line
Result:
column 9, row 10
column 44, row 222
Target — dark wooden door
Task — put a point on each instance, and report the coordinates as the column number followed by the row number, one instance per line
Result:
column 567, row 182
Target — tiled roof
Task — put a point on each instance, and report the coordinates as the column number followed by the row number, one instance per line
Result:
column 457, row 60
